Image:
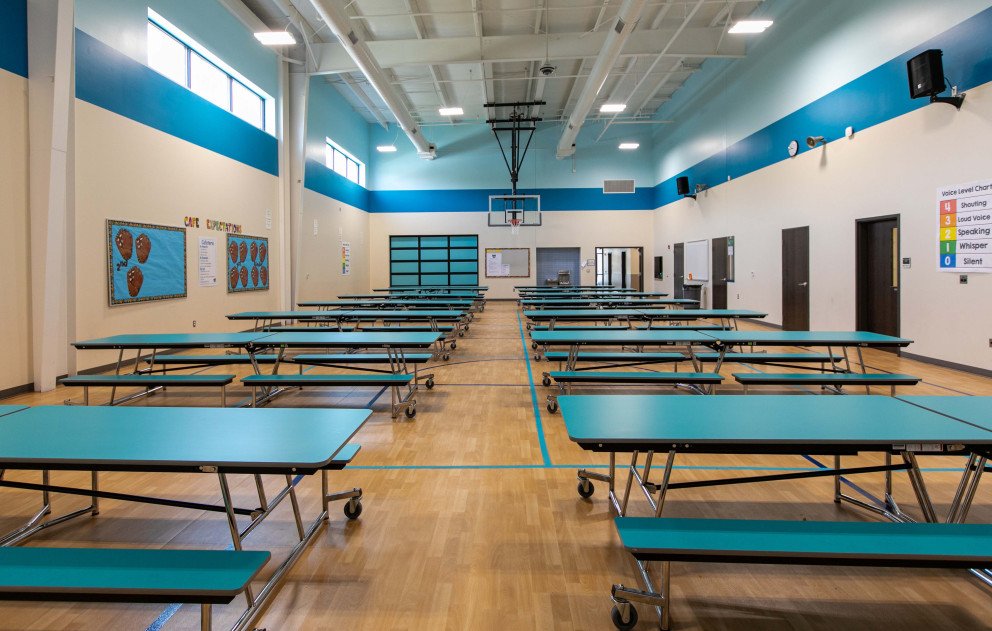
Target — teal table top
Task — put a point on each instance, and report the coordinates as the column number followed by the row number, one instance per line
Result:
column 592, row 294
column 423, row 314
column 263, row 440
column 433, row 288
column 593, row 300
column 620, row 338
column 172, row 340
column 377, row 304
column 10, row 409
column 758, row 424
column 419, row 314
column 358, row 339
column 808, row 338
column 406, row 296
column 872, row 540
column 177, row 573
column 683, row 314
column 286, row 315
column 584, row 314
column 974, row 410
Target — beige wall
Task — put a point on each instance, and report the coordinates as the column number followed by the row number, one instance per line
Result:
column 125, row 170
column 585, row 229
column 15, row 278
column 892, row 168
column 320, row 276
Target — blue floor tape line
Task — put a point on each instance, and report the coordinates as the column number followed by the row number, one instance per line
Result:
column 533, row 395
column 164, row 617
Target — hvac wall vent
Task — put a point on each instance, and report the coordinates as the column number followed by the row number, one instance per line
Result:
column 618, row 186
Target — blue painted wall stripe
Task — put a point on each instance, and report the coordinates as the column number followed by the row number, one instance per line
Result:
column 469, row 200
column 14, row 37
column 877, row 96
column 110, row 79
column 319, row 179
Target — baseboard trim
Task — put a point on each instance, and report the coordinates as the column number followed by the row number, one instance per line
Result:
column 943, row 363
column 15, row 390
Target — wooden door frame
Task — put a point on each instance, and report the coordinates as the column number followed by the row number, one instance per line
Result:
column 860, row 303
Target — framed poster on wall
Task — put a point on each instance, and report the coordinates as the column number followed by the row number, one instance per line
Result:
column 145, row 262
column 247, row 263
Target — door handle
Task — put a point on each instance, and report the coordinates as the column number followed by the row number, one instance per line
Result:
column 803, row 284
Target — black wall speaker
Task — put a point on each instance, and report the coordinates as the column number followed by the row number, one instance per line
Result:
column 682, row 185
column 659, row 267
column 926, row 74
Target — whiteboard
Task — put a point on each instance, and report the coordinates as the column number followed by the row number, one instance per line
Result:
column 507, row 262
column 697, row 261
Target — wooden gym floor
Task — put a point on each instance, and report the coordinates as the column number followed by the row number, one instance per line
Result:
column 472, row 521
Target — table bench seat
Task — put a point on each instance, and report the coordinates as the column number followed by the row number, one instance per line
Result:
column 617, row 357
column 683, row 327
column 835, row 379
column 875, row 544
column 213, row 360
column 419, row 328
column 588, row 376
column 296, row 328
column 146, row 380
column 128, row 575
column 370, row 379
column 358, row 358
column 768, row 358
column 580, row 327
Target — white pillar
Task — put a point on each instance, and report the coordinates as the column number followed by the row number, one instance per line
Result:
column 297, row 103
column 50, row 108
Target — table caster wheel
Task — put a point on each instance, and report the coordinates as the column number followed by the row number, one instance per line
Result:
column 454, row 345
column 352, row 508
column 411, row 412
column 537, row 357
column 429, row 383
column 446, row 357
column 552, row 406
column 586, row 489
column 546, row 381
column 618, row 620
column 533, row 345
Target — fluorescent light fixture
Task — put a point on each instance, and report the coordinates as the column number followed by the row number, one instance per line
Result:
column 276, row 38
column 612, row 108
column 629, row 146
column 386, row 148
column 450, row 111
column 749, row 26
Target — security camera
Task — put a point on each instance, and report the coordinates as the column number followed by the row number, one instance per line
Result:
column 813, row 141
column 547, row 70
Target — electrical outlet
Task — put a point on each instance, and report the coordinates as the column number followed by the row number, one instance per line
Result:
column 963, row 279
column 990, row 342
column 194, row 324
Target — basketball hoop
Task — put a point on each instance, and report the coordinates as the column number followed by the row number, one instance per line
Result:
column 515, row 225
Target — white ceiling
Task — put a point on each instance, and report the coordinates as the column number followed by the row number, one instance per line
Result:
column 468, row 52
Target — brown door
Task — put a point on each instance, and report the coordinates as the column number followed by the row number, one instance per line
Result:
column 720, row 273
column 878, row 275
column 795, row 279
column 678, row 253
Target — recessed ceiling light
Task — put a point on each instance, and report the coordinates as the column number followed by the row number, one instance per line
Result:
column 629, row 146
column 611, row 108
column 750, row 26
column 276, row 38
column 450, row 111
column 386, row 148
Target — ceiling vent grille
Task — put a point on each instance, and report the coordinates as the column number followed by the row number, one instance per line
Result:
column 618, row 186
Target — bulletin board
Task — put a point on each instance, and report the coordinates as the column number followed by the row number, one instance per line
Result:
column 507, row 262
column 247, row 263
column 697, row 261
column 145, row 262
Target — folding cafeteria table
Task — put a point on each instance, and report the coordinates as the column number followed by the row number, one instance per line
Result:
column 289, row 443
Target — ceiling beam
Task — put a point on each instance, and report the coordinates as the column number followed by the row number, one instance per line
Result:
column 690, row 42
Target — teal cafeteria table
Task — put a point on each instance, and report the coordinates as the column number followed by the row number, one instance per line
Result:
column 392, row 303
column 289, row 443
column 771, row 424
column 605, row 302
column 394, row 344
column 726, row 317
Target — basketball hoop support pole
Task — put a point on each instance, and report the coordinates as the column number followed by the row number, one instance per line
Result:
column 516, row 124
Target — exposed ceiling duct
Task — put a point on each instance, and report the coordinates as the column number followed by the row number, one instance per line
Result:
column 340, row 25
column 623, row 24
